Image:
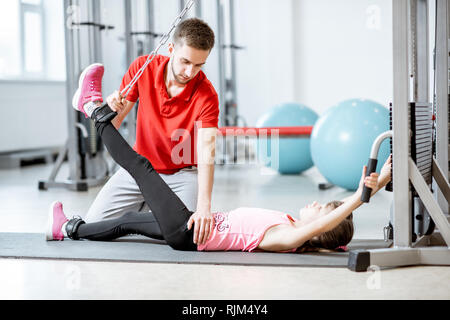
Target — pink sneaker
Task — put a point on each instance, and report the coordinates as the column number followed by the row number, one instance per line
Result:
column 89, row 87
column 56, row 219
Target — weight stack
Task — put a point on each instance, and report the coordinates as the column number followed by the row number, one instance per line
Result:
column 421, row 143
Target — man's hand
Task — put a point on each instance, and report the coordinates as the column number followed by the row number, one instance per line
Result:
column 203, row 222
column 116, row 102
column 120, row 105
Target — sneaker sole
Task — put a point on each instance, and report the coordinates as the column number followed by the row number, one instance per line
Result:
column 76, row 96
column 49, row 227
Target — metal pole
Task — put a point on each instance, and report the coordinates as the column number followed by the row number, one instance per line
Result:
column 402, row 217
column 150, row 24
column 442, row 115
column 130, row 120
column 232, row 80
column 221, row 56
column 95, row 46
column 97, row 38
column 181, row 5
column 72, row 143
column 128, row 41
column 198, row 8
column 419, row 52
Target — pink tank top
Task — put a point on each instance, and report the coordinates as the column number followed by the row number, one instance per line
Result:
column 242, row 229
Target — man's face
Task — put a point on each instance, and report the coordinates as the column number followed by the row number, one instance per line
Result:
column 186, row 61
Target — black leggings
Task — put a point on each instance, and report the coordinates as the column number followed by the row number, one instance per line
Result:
column 169, row 215
column 143, row 223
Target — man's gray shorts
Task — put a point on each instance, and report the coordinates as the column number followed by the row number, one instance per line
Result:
column 121, row 194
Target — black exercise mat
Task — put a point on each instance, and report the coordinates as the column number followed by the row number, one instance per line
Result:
column 139, row 249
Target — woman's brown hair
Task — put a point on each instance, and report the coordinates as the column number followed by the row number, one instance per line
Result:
column 341, row 235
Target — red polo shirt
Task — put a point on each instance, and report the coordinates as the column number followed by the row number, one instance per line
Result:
column 166, row 127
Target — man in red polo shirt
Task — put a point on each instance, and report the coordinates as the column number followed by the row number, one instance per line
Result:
column 176, row 126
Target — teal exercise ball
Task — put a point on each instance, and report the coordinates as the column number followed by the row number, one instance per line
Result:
column 342, row 139
column 287, row 155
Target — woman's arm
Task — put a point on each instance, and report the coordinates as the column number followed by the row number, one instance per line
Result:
column 332, row 219
column 299, row 235
column 290, row 237
column 294, row 237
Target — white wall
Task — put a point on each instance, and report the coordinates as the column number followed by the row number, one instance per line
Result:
column 54, row 20
column 314, row 52
column 34, row 115
column 265, row 73
column 343, row 49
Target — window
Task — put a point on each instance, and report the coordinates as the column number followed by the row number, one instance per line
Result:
column 32, row 40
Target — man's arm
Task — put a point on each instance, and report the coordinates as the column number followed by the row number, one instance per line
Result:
column 117, row 121
column 202, row 218
column 118, row 104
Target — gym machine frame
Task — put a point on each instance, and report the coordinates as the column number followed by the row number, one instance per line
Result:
column 431, row 249
column 135, row 48
column 87, row 168
column 229, row 114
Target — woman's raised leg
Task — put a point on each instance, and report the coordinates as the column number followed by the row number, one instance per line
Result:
column 170, row 212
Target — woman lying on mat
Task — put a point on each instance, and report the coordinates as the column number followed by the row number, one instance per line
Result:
column 326, row 226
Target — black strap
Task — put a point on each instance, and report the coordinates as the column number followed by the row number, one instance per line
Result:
column 103, row 114
column 72, row 227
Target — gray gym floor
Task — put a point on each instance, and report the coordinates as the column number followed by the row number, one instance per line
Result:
column 23, row 208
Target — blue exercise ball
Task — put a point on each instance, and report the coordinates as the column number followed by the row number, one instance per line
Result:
column 293, row 154
column 342, row 139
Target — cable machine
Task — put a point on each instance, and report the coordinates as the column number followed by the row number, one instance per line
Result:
column 139, row 39
column 420, row 143
column 227, row 86
column 83, row 149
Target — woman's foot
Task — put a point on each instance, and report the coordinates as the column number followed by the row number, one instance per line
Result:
column 56, row 222
column 89, row 93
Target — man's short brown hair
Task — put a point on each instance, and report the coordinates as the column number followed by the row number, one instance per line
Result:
column 195, row 33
